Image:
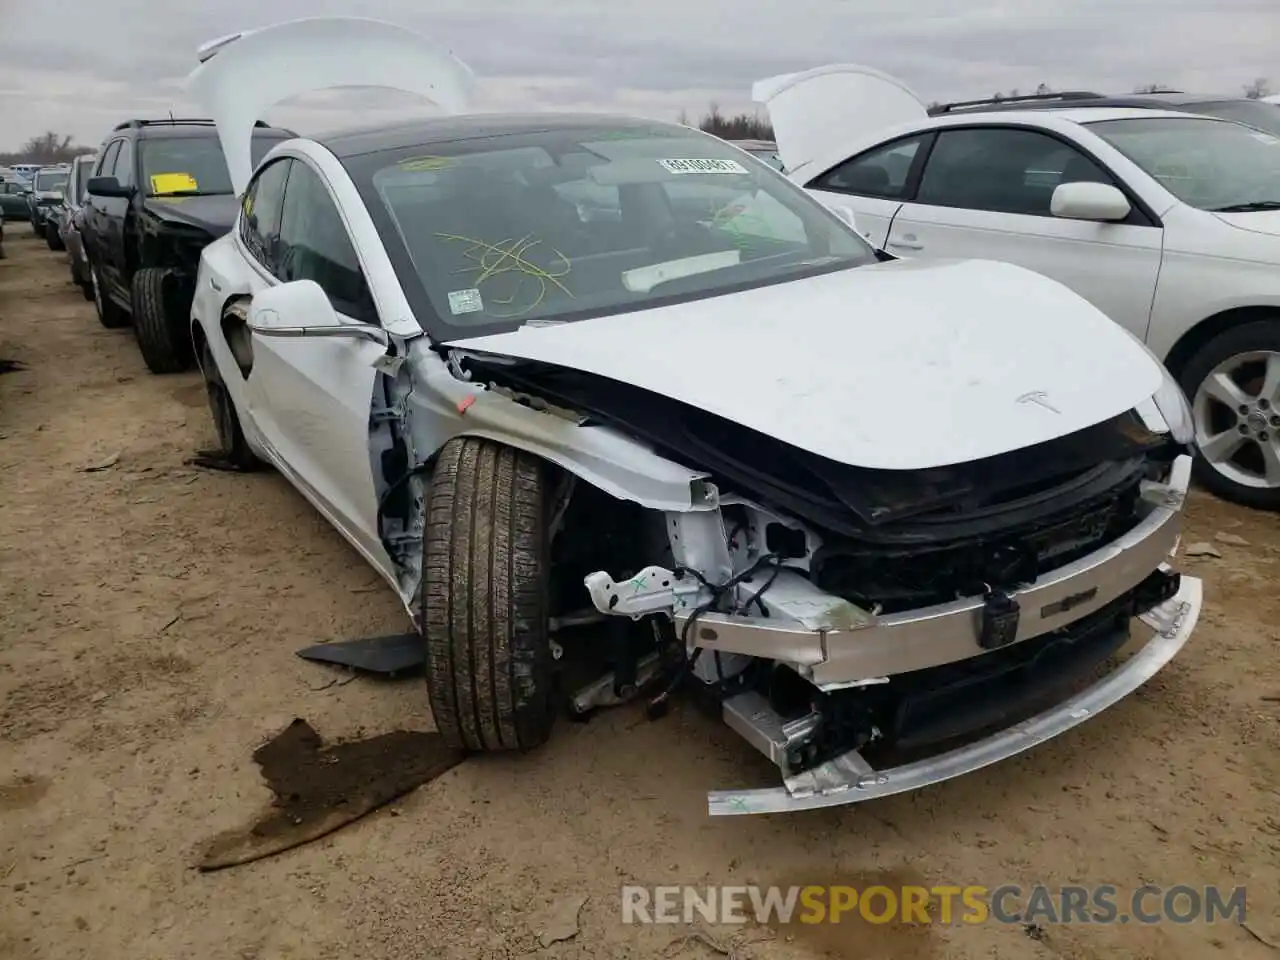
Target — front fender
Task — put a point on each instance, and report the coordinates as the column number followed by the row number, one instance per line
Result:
column 443, row 407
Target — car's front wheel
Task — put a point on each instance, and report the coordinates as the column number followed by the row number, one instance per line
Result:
column 484, row 598
column 110, row 314
column 51, row 236
column 1234, row 385
column 164, row 336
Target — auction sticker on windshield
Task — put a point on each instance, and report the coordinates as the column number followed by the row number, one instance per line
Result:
column 465, row 301
column 173, row 182
column 703, row 166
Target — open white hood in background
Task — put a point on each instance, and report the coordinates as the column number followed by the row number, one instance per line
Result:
column 241, row 75
column 815, row 112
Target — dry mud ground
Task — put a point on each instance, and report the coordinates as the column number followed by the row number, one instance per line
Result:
column 149, row 615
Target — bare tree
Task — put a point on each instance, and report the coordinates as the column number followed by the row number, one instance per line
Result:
column 741, row 126
column 49, row 147
column 1151, row 88
column 1258, row 89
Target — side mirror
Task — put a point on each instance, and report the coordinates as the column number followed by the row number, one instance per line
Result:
column 298, row 305
column 301, row 308
column 1089, row 201
column 107, row 187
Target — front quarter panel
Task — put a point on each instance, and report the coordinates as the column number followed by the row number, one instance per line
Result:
column 443, row 407
column 223, row 276
column 1209, row 268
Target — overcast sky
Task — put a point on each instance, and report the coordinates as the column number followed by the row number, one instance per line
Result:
column 79, row 66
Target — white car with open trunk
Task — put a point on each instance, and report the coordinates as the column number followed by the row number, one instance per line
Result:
column 613, row 406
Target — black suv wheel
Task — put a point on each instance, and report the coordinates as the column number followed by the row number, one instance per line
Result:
column 163, row 334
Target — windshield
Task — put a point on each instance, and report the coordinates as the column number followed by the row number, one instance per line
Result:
column 1256, row 113
column 83, row 168
column 1210, row 164
column 566, row 224
column 50, row 179
column 191, row 166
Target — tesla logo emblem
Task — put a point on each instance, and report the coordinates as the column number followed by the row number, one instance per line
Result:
column 1039, row 398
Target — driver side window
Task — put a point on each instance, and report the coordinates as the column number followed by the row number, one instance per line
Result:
column 314, row 245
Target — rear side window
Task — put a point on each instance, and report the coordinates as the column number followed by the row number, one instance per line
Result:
column 882, row 172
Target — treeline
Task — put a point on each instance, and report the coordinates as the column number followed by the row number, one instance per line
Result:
column 49, row 147
column 738, row 126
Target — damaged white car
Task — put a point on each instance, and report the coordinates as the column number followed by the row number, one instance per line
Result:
column 890, row 518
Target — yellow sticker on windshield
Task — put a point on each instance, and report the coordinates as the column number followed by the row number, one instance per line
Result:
column 173, row 182
column 425, row 164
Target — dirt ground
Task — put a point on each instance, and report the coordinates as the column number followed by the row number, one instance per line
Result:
column 149, row 614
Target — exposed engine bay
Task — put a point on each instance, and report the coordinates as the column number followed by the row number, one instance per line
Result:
column 833, row 613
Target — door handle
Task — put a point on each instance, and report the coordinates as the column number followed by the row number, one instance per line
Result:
column 909, row 242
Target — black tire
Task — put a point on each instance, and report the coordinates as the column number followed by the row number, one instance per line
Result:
column 484, row 598
column 164, row 337
column 232, row 445
column 1262, row 335
column 110, row 314
column 52, row 238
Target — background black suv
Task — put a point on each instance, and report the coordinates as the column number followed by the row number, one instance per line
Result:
column 1256, row 113
column 159, row 194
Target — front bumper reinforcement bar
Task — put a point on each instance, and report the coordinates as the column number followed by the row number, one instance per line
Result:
column 850, row 779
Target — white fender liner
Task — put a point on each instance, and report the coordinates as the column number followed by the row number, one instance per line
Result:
column 243, row 74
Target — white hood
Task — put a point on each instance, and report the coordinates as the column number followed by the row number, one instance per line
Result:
column 896, row 366
column 243, row 74
column 816, row 112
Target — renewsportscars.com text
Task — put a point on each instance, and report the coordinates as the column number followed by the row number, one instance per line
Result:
column 1008, row 903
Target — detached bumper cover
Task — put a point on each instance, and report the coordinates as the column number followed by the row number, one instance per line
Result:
column 850, row 779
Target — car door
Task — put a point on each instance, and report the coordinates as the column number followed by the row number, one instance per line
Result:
column 985, row 192
column 873, row 184
column 94, row 216
column 107, row 219
column 310, row 397
column 119, row 220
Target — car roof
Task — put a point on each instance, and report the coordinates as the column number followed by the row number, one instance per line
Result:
column 1055, row 101
column 1074, row 114
column 187, row 127
column 424, row 132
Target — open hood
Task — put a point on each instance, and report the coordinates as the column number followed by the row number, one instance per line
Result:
column 815, row 112
column 895, row 366
column 242, row 75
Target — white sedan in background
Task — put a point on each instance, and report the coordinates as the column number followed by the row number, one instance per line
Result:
column 1168, row 222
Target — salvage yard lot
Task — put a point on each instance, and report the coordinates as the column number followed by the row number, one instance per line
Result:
column 149, row 614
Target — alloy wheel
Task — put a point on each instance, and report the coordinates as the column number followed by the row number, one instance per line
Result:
column 1237, row 418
